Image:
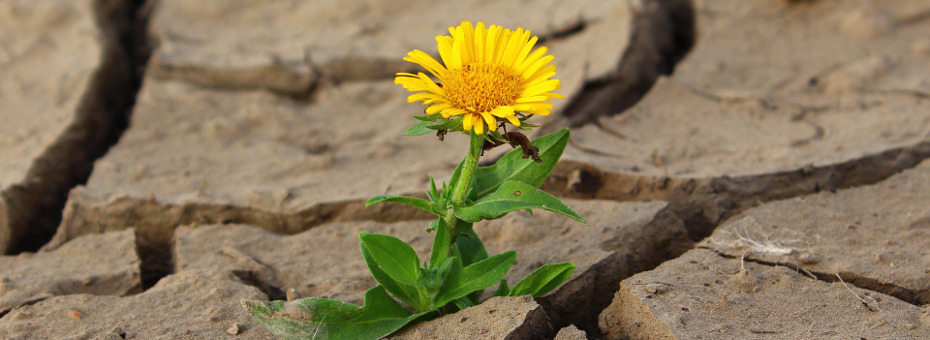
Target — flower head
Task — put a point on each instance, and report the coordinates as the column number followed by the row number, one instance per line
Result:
column 486, row 73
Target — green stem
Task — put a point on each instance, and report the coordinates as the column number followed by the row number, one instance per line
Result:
column 468, row 172
column 460, row 189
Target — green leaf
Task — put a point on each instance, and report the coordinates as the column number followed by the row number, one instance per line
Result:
column 446, row 124
column 441, row 243
column 511, row 196
column 404, row 292
column 468, row 246
column 419, row 129
column 433, row 277
column 432, row 192
column 502, row 289
column 543, row 280
column 454, row 179
column 394, row 256
column 463, row 302
column 476, row 144
column 514, row 167
column 429, row 118
column 411, row 201
column 425, row 126
column 478, row 276
column 320, row 318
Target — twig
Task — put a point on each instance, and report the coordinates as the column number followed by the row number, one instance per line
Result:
column 866, row 304
column 318, row 327
column 805, row 271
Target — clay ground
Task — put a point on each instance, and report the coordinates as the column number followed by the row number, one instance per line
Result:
column 749, row 169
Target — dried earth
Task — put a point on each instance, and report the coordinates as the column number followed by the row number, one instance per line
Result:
column 748, row 169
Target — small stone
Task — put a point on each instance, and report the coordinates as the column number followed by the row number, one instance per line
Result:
column 574, row 179
column 75, row 314
column 656, row 288
column 233, row 330
column 808, row 258
column 292, row 294
column 571, row 333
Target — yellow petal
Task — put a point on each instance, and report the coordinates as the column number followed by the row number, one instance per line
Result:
column 543, row 87
column 502, row 111
column 541, row 109
column 488, row 118
column 467, row 121
column 530, row 99
column 424, row 96
column 532, row 106
column 468, row 54
column 521, row 57
column 431, row 85
column 506, row 112
column 533, row 58
column 457, row 53
column 427, row 61
column 541, row 75
column 480, row 38
column 553, row 95
column 500, row 45
column 531, row 70
column 451, row 112
column 436, row 108
column 412, row 84
column 445, row 50
column 490, row 42
column 512, row 47
column 479, row 126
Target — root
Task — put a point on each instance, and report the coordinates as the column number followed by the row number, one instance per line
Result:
column 748, row 234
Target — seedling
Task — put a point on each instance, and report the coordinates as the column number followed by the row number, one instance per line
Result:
column 488, row 73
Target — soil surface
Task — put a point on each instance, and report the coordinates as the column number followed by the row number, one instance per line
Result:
column 750, row 170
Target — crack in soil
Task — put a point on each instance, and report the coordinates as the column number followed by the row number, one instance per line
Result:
column 253, row 279
column 914, row 297
column 663, row 33
column 635, row 250
column 705, row 202
column 35, row 207
column 282, row 79
column 4, row 312
column 916, row 93
column 156, row 222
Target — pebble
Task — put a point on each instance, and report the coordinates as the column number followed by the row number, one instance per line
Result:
column 233, row 330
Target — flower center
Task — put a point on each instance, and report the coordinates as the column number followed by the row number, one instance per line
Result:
column 482, row 87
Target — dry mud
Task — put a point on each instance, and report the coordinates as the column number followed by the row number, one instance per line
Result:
column 749, row 169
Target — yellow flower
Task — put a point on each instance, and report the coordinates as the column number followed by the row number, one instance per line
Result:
column 488, row 73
